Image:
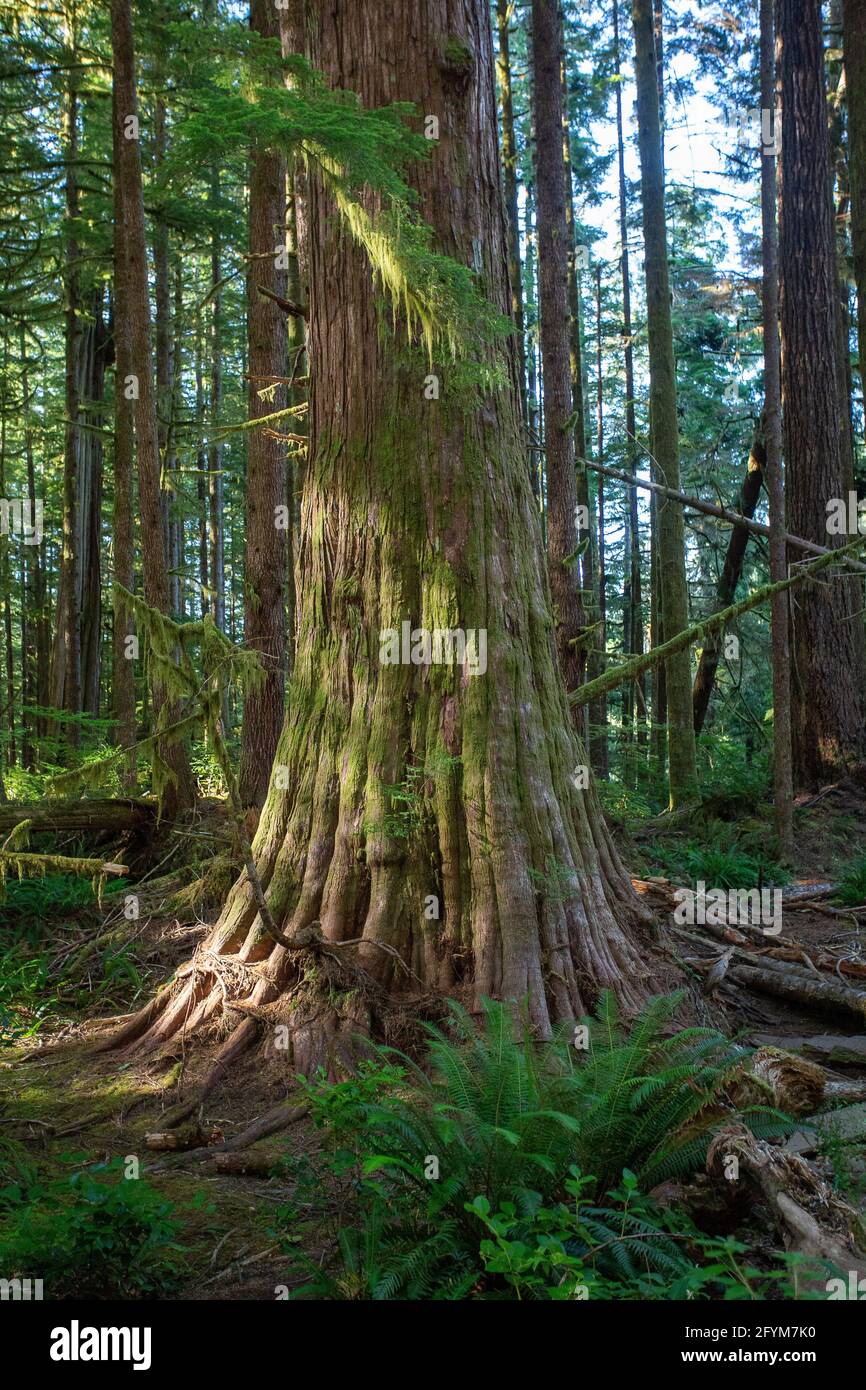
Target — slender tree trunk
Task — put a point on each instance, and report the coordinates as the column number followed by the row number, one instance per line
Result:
column 562, row 499
column 783, row 793
column 829, row 685
column 531, row 340
column 854, row 21
column 123, row 542
column 172, row 774
column 162, row 331
column 201, row 473
column 66, row 669
column 726, row 588
column 504, row 15
column 6, row 584
column 176, row 538
column 216, row 520
column 268, row 529
column 587, row 565
column 599, row 715
column 35, row 656
column 673, row 592
column 410, row 508
column 632, row 596
column 94, row 344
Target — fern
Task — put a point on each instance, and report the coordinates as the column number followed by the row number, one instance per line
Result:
column 497, row 1124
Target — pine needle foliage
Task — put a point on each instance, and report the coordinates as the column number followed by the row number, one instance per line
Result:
column 362, row 156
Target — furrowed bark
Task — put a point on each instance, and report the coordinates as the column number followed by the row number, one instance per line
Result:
column 783, row 775
column 266, row 539
column 179, row 789
column 562, row 498
column 829, row 667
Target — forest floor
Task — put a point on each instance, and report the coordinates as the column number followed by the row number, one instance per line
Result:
column 67, row 1108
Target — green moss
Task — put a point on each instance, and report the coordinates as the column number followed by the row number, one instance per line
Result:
column 457, row 55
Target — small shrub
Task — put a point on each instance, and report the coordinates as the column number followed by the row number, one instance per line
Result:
column 90, row 1237
column 852, row 889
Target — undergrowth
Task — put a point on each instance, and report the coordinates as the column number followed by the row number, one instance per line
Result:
column 722, row 855
column 53, row 960
column 509, row 1170
column 95, row 1234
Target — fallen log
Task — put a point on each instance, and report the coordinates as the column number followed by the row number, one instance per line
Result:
column 784, row 982
column 178, row 1140
column 114, row 815
column 810, row 1217
column 245, row 1165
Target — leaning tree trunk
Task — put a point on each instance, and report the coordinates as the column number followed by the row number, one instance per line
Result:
column 493, row 874
column 829, row 683
column 732, row 568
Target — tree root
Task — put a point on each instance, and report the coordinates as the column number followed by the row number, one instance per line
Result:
column 273, row 1121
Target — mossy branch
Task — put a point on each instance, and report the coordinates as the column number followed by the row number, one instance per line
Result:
column 32, row 865
column 630, row 670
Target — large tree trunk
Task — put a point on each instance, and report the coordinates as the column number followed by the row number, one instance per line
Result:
column 829, row 688
column 673, row 593
column 266, row 535
column 496, row 876
column 171, row 768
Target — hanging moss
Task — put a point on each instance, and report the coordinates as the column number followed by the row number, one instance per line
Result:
column 191, row 664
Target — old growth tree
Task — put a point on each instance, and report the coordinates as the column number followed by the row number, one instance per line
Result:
column 400, row 786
